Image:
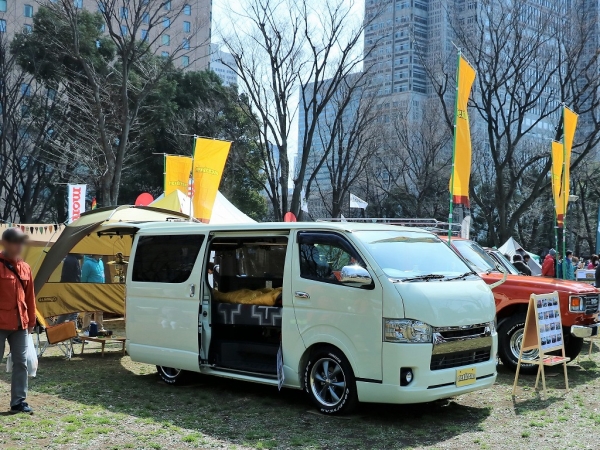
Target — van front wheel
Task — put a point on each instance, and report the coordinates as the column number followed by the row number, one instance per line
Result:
column 171, row 375
column 329, row 382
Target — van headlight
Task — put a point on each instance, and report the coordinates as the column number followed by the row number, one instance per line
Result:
column 406, row 330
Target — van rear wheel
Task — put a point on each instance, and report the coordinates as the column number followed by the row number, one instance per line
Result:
column 171, row 375
column 329, row 381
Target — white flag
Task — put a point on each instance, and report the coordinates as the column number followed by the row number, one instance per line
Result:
column 303, row 202
column 465, row 228
column 76, row 200
column 356, row 202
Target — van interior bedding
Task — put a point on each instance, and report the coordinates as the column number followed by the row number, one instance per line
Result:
column 263, row 296
column 246, row 306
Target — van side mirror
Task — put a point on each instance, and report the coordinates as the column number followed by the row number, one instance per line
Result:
column 355, row 275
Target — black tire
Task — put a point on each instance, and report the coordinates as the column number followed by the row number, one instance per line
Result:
column 573, row 345
column 333, row 392
column 510, row 334
column 172, row 376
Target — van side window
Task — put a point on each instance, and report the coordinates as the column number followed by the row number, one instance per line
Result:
column 166, row 259
column 323, row 255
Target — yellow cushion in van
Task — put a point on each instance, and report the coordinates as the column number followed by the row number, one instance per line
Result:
column 263, row 297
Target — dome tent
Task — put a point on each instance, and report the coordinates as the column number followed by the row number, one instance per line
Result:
column 104, row 231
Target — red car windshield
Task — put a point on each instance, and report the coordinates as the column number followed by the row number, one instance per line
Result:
column 476, row 256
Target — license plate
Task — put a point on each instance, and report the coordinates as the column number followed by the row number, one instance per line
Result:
column 464, row 377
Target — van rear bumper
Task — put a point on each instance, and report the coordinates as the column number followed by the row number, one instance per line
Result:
column 427, row 385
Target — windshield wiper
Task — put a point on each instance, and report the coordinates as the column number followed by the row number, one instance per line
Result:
column 431, row 276
column 459, row 277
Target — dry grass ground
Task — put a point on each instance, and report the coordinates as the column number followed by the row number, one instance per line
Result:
column 114, row 403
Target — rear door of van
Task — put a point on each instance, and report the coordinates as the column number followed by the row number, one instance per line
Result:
column 163, row 298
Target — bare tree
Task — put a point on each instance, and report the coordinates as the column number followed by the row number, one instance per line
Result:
column 530, row 59
column 108, row 90
column 344, row 145
column 29, row 116
column 284, row 49
column 410, row 172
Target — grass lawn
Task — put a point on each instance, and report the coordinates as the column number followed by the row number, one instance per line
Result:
column 114, row 403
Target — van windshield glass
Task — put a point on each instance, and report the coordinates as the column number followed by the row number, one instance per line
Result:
column 475, row 256
column 408, row 254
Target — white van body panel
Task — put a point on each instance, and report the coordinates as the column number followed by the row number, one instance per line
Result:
column 162, row 318
column 347, row 317
column 457, row 303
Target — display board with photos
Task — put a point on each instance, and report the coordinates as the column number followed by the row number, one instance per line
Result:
column 543, row 332
column 549, row 324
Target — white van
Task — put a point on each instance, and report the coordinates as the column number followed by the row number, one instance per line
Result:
column 361, row 312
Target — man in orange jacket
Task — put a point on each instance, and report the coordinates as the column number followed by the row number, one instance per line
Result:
column 549, row 265
column 17, row 313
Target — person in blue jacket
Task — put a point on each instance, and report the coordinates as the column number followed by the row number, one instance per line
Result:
column 92, row 271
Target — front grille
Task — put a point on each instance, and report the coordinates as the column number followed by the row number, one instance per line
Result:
column 591, row 304
column 459, row 333
column 458, row 359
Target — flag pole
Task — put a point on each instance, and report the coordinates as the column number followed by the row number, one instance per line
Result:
column 565, row 200
column 164, row 172
column 450, row 214
column 192, row 174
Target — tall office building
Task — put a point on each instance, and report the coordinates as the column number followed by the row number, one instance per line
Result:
column 187, row 32
column 220, row 63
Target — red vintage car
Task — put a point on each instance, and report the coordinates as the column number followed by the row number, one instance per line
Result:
column 579, row 304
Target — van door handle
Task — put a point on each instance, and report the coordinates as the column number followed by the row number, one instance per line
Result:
column 302, row 295
column 192, row 290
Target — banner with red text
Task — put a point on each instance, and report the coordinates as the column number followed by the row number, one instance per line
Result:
column 76, row 201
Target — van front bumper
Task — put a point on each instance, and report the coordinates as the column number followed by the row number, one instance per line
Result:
column 427, row 385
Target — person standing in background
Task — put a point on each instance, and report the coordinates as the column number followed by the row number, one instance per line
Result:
column 70, row 273
column 17, row 313
column 93, row 272
column 520, row 265
column 548, row 267
column 593, row 262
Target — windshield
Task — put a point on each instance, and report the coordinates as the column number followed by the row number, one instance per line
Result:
column 505, row 262
column 407, row 254
column 475, row 256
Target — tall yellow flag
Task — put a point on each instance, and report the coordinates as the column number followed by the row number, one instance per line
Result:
column 461, row 167
column 210, row 156
column 561, row 165
column 558, row 152
column 570, row 125
column 177, row 173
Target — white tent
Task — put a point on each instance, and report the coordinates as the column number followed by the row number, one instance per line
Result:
column 223, row 210
column 512, row 247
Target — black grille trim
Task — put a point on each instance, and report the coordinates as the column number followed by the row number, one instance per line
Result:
column 453, row 334
column 591, row 304
column 459, row 359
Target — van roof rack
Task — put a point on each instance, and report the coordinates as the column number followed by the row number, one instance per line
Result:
column 432, row 225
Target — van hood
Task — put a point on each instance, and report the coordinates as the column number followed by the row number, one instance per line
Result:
column 542, row 285
column 448, row 303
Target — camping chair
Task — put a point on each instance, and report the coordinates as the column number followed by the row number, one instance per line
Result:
column 61, row 336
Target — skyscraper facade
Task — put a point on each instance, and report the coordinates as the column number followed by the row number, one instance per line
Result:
column 186, row 28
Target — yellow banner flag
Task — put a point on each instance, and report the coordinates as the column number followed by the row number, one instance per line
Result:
column 557, row 170
column 570, row 125
column 461, row 170
column 210, row 156
column 177, row 173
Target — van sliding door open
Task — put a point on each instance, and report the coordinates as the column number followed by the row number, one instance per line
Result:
column 163, row 299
